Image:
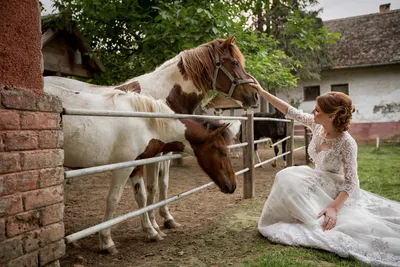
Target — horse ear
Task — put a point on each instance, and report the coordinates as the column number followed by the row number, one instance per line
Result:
column 228, row 42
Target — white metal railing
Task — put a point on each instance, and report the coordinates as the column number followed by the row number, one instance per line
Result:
column 134, row 163
column 122, row 113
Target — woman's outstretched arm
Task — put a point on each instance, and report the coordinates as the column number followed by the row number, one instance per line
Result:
column 279, row 104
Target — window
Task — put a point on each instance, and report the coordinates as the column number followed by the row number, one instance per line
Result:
column 311, row 92
column 344, row 88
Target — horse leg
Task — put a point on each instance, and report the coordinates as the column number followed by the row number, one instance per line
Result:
column 141, row 198
column 151, row 174
column 276, row 150
column 284, row 151
column 118, row 181
column 169, row 221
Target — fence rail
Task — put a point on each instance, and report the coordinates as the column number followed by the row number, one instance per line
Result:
column 248, row 154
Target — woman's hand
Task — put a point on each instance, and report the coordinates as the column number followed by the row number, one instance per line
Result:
column 255, row 84
column 330, row 218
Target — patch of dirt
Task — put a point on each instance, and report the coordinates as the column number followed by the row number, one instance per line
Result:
column 217, row 229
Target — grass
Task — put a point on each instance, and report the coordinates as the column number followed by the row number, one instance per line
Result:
column 378, row 172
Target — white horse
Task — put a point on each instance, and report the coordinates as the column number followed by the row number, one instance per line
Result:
column 182, row 82
column 92, row 141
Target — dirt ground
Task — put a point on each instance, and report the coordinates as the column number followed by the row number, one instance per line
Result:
column 217, row 229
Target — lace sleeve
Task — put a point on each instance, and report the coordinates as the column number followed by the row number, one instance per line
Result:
column 300, row 116
column 351, row 184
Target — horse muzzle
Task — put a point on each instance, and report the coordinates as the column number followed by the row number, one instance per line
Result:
column 228, row 188
column 250, row 100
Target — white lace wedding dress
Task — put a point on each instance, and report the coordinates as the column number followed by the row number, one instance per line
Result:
column 367, row 227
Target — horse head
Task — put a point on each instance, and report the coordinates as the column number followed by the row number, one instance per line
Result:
column 219, row 65
column 209, row 142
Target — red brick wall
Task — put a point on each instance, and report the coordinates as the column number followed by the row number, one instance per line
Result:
column 31, row 179
column 31, row 155
column 20, row 46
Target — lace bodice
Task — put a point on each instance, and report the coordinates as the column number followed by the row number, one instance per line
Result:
column 337, row 155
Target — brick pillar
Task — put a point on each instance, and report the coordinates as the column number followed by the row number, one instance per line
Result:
column 31, row 158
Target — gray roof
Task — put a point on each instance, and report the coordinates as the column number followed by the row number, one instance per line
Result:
column 366, row 40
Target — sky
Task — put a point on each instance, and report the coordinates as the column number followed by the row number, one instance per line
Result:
column 332, row 9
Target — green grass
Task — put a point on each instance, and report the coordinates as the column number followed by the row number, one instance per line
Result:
column 378, row 171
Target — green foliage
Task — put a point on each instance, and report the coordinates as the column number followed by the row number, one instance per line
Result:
column 281, row 42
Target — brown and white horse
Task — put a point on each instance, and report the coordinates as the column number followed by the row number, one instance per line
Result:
column 92, row 141
column 182, row 82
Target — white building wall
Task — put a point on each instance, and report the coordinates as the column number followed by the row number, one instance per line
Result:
column 370, row 89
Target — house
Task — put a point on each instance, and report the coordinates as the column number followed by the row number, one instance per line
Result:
column 366, row 67
column 67, row 53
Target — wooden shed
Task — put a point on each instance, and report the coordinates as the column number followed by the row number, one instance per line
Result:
column 67, row 53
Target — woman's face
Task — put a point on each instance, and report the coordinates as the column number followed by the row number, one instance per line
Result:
column 319, row 116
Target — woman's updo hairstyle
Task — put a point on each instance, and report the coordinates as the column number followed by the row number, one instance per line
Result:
column 340, row 105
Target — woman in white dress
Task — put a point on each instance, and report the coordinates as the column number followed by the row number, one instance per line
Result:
column 324, row 207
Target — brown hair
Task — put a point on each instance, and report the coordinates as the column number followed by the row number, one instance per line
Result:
column 339, row 104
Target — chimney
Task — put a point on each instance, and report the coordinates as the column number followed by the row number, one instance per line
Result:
column 384, row 8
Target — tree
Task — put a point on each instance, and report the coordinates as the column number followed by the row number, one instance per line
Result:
column 281, row 41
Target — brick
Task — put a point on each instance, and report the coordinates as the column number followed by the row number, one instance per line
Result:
column 52, row 233
column 40, row 121
column 43, row 197
column 9, row 120
column 52, row 214
column 19, row 99
column 51, row 252
column 22, row 222
column 51, row 139
column 10, row 205
column 20, row 140
column 10, row 249
column 50, row 177
column 28, row 260
column 40, row 159
column 49, row 103
column 31, row 240
column 18, row 182
column 9, row 162
column 2, row 229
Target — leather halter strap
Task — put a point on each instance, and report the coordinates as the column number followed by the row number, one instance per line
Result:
column 234, row 82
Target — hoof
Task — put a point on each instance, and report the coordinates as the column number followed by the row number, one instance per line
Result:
column 112, row 251
column 155, row 238
column 170, row 224
column 161, row 233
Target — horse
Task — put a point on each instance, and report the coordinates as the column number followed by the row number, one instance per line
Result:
column 91, row 141
column 182, row 82
column 275, row 130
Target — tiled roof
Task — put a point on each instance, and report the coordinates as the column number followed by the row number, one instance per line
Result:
column 366, row 40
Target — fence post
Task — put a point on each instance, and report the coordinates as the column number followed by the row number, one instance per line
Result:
column 248, row 154
column 307, row 143
column 290, row 142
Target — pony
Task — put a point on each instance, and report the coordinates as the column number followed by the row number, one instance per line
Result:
column 275, row 130
column 183, row 83
column 91, row 141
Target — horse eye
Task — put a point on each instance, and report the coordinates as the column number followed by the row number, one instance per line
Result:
column 235, row 64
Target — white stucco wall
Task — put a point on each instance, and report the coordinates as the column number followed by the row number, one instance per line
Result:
column 369, row 88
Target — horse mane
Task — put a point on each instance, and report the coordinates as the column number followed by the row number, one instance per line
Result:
column 143, row 103
column 213, row 125
column 198, row 63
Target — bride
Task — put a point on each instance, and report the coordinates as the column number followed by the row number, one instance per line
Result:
column 324, row 207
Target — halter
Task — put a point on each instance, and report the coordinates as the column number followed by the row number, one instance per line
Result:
column 234, row 82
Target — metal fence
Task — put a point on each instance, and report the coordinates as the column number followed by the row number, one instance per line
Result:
column 248, row 155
